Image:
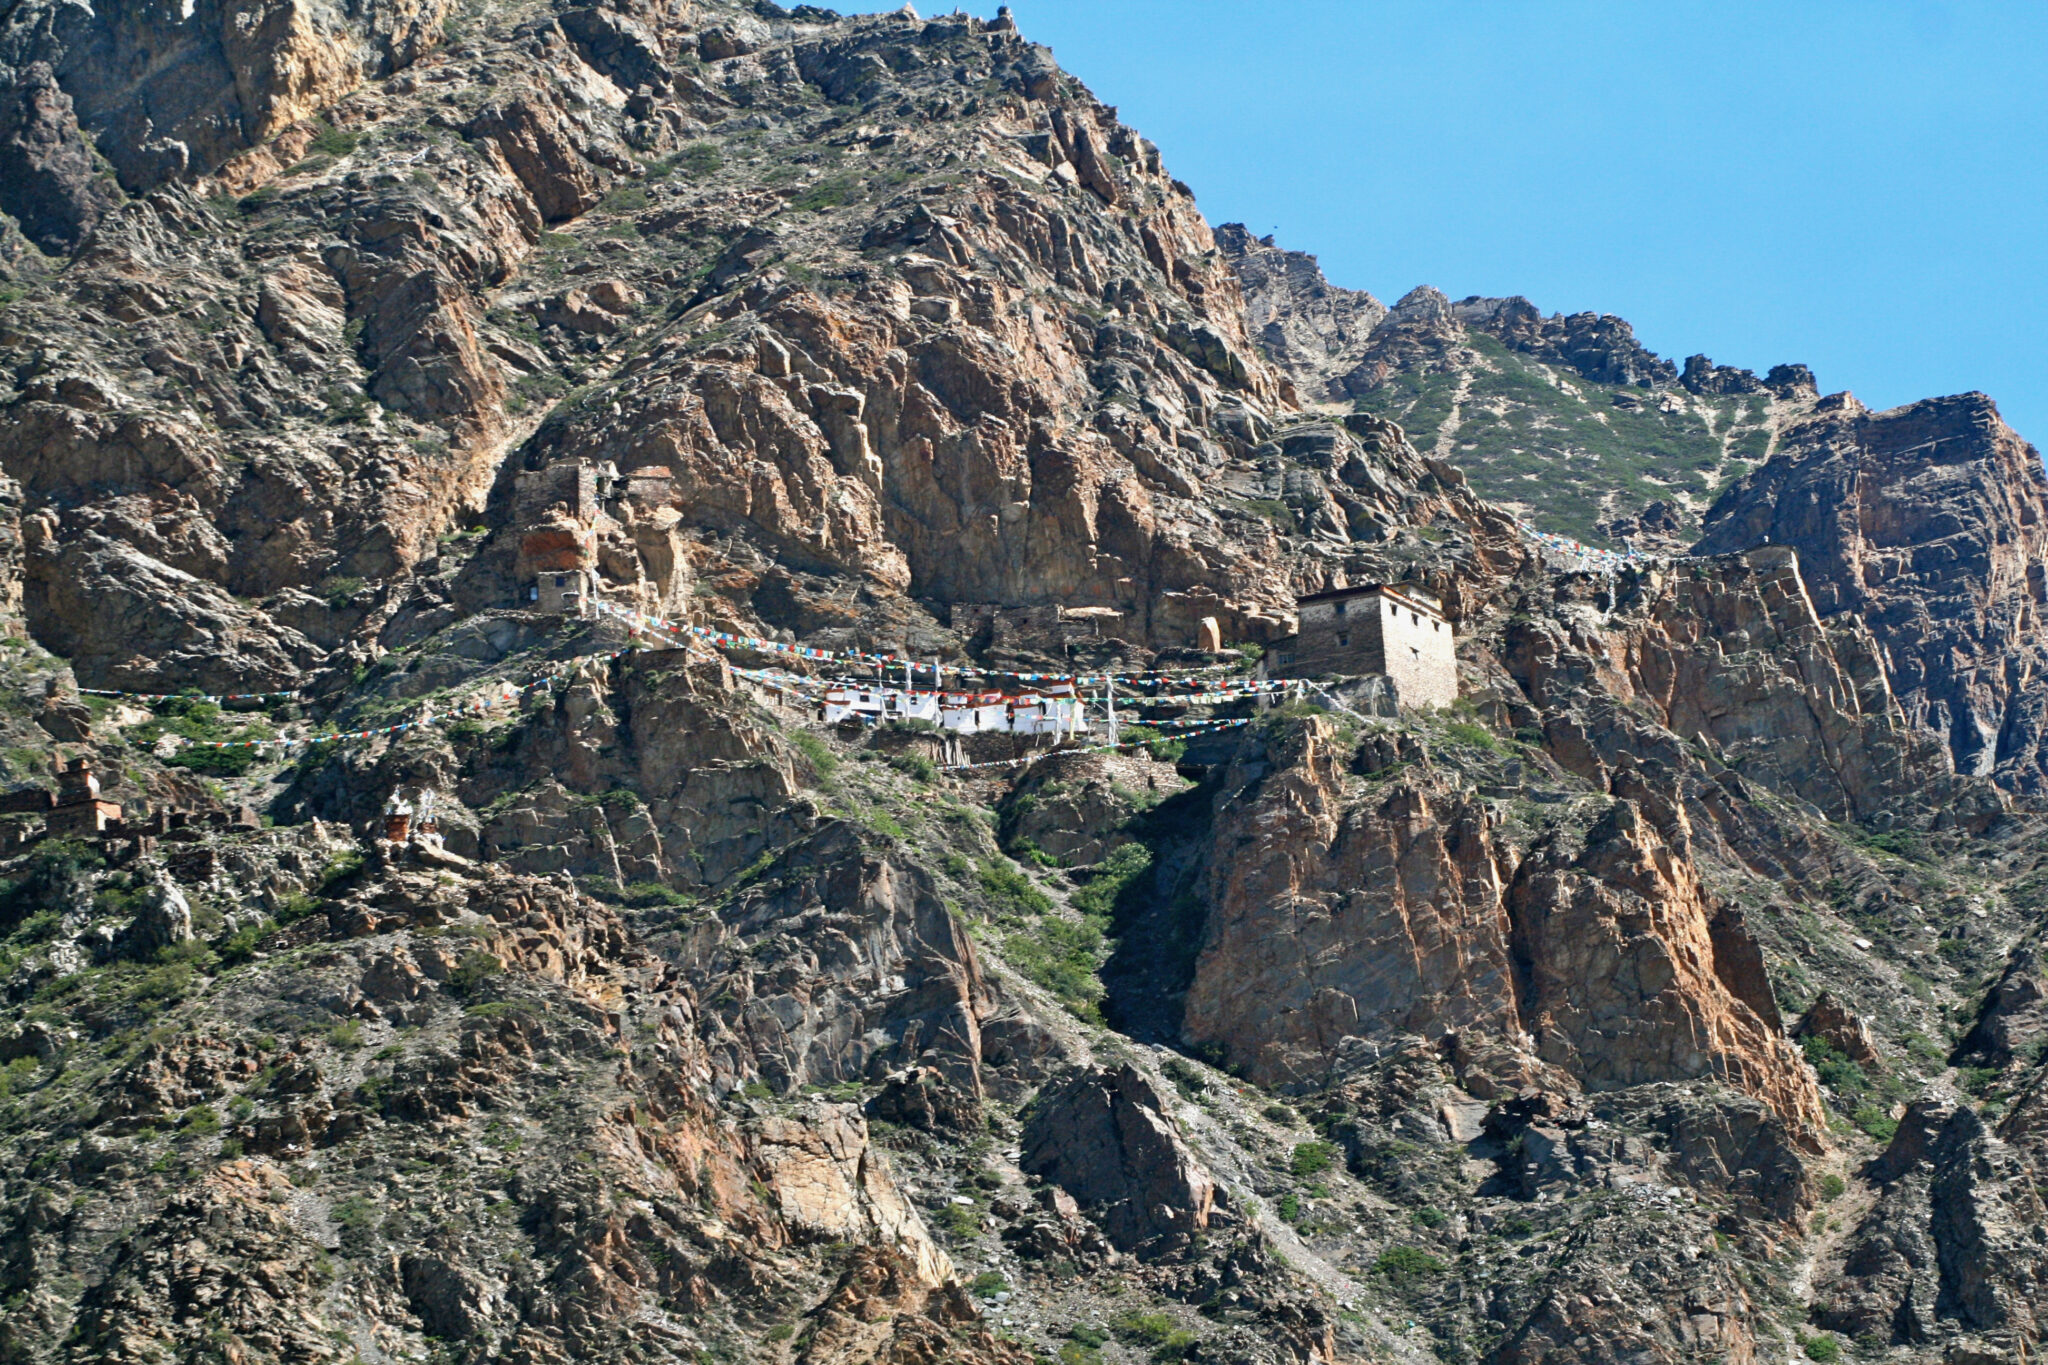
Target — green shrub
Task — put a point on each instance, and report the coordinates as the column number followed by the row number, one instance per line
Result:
column 1027, row 851
column 1289, row 1207
column 17, row 1075
column 651, row 895
column 1875, row 1122
column 1429, row 1218
column 815, row 751
column 1977, row 1080
column 1118, row 871
column 201, row 1119
column 332, row 141
column 1824, row 1348
column 700, row 158
column 916, row 766
column 475, row 968
column 344, row 865
column 1184, row 1076
column 40, row 927
column 1406, row 1265
column 214, row 762
column 1834, row 1068
column 1012, row 890
column 164, row 985
column 1143, row 1329
column 1062, row 957
column 1832, row 1186
column 988, row 1283
column 1477, row 736
column 624, row 199
column 355, row 1214
column 828, row 193
column 1311, row 1159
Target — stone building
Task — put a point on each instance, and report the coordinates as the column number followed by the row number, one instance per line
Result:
column 1395, row 629
column 559, row 508
column 586, row 531
column 568, row 593
column 80, row 810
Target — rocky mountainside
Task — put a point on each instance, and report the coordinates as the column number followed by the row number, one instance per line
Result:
column 1567, row 418
column 427, row 967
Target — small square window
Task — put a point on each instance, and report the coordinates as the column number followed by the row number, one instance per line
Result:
column 1341, row 606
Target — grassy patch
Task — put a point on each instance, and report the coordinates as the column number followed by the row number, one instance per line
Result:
column 815, row 751
column 332, row 141
column 1012, row 891
column 1545, row 437
column 1476, row 736
column 828, row 193
column 1311, row 1159
column 1407, row 1266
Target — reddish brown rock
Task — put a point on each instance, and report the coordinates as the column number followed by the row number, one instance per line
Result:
column 1347, row 921
column 1338, row 926
column 1828, row 1019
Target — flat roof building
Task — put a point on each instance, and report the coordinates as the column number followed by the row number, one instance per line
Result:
column 1398, row 630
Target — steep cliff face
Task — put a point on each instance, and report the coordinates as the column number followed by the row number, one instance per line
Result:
column 893, row 321
column 1317, row 333
column 163, row 94
column 1589, row 960
column 1927, row 524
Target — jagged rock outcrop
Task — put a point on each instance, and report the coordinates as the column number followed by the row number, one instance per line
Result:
column 1105, row 1138
column 1834, row 1023
column 182, row 1276
column 1349, row 922
column 1599, row 346
column 879, row 1312
column 1944, row 1253
column 1928, row 524
column 1733, row 653
column 1316, row 332
column 165, row 96
column 1336, row 926
column 847, row 966
column 1620, row 979
column 2014, row 1016
column 53, row 188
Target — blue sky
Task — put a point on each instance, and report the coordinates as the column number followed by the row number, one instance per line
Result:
column 1862, row 187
